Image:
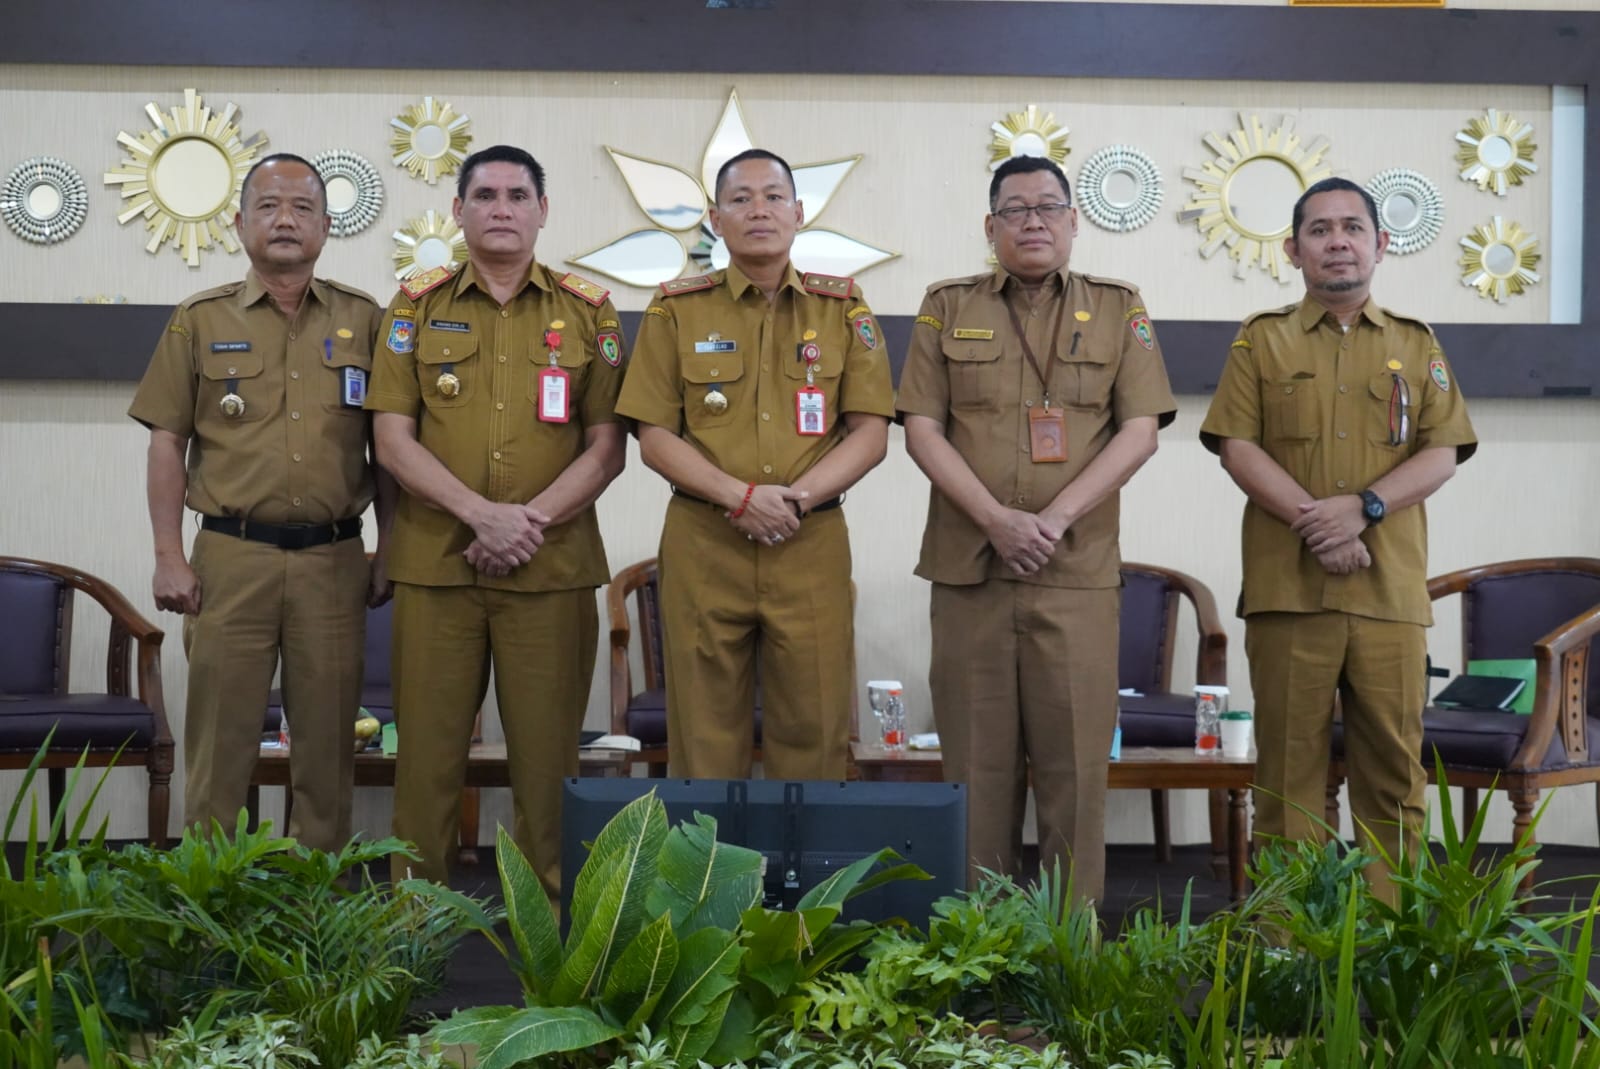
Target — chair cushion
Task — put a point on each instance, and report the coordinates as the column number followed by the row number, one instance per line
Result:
column 1157, row 719
column 98, row 721
column 1483, row 741
column 31, row 607
column 1142, row 641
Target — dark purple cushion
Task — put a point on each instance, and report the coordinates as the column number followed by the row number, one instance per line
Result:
column 1507, row 615
column 1482, row 740
column 1157, row 719
column 1143, row 635
column 30, row 605
column 98, row 721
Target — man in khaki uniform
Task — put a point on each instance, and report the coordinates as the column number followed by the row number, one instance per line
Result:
column 1337, row 419
column 762, row 394
column 1030, row 395
column 494, row 388
column 261, row 384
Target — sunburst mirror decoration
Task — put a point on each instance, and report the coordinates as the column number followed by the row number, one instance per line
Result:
column 430, row 139
column 1498, row 259
column 44, row 200
column 430, row 240
column 1496, row 151
column 1244, row 200
column 676, row 203
column 1119, row 188
column 1409, row 208
column 1027, row 133
column 183, row 176
column 355, row 192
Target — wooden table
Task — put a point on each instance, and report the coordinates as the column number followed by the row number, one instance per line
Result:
column 1140, row 768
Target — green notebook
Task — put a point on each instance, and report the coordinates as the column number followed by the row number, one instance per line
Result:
column 1522, row 669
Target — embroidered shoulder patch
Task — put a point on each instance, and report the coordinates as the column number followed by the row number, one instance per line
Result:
column 609, row 343
column 1441, row 377
column 1241, row 343
column 657, row 310
column 930, row 321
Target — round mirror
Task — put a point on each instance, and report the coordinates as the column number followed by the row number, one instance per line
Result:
column 428, row 241
column 1496, row 152
column 44, row 200
column 1500, row 260
column 1400, row 212
column 1119, row 188
column 342, row 194
column 1409, row 207
column 355, row 192
column 1260, row 197
column 192, row 178
column 430, row 140
column 433, row 252
column 1028, row 143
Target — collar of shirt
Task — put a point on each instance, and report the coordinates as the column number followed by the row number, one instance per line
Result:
column 739, row 284
column 467, row 277
column 255, row 290
column 1311, row 313
column 1001, row 277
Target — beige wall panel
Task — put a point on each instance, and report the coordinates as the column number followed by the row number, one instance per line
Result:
column 920, row 190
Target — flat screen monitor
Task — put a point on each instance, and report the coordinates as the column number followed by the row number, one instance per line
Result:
column 806, row 831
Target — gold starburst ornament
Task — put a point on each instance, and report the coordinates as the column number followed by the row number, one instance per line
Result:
column 1244, row 198
column 1498, row 259
column 1496, row 151
column 1027, row 133
column 430, row 139
column 183, row 176
column 430, row 240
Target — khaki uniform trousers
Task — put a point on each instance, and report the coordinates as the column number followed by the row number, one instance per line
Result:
column 255, row 602
column 728, row 603
column 1298, row 662
column 1024, row 678
column 543, row 651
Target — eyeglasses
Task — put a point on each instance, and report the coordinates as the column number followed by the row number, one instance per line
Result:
column 1018, row 215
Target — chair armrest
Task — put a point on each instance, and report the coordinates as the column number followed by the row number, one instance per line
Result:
column 1457, row 582
column 1560, row 689
column 622, row 584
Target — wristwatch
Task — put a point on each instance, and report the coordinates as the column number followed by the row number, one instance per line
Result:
column 1372, row 507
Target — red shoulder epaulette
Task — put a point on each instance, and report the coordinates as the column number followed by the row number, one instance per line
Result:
column 417, row 285
column 595, row 295
column 692, row 284
column 827, row 285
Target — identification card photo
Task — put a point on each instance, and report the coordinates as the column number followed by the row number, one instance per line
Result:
column 811, row 412
column 553, row 395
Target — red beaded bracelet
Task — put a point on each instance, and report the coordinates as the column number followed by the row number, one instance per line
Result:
column 749, row 491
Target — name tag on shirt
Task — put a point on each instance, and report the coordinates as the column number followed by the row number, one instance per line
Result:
column 716, row 346
column 453, row 325
column 230, row 347
column 355, row 387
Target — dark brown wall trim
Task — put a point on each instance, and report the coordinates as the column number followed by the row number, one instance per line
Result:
column 912, row 37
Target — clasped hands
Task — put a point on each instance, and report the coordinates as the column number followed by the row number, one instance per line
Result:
column 1331, row 528
column 508, row 535
column 771, row 515
column 1024, row 540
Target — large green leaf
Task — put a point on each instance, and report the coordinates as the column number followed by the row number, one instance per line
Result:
column 777, row 941
column 641, row 973
column 704, row 883
column 533, row 924
column 740, row 1037
column 847, row 882
column 608, row 904
column 690, row 1043
column 708, row 965
column 507, row 1037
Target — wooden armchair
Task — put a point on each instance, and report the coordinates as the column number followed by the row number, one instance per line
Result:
column 1547, row 609
column 100, row 728
column 1158, row 716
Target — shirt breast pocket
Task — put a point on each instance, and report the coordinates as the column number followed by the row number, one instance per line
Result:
column 573, row 358
column 234, row 374
column 825, row 369
column 1392, row 412
column 346, row 373
column 707, row 377
column 974, row 368
column 1083, row 380
column 447, row 369
column 1289, row 410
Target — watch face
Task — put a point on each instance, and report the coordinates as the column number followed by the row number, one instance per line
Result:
column 1372, row 507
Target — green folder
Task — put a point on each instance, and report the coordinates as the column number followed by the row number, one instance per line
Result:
column 1522, row 669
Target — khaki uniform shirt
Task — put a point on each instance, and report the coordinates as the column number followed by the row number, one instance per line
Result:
column 717, row 334
column 1324, row 405
column 489, row 434
column 297, row 453
column 966, row 369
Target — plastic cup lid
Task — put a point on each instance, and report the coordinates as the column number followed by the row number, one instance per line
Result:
column 1211, row 690
column 1236, row 714
column 883, row 684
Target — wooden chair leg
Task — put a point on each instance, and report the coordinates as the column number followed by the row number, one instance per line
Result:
column 1217, row 806
column 1469, row 805
column 56, row 793
column 1523, row 802
column 1330, row 803
column 1159, row 817
column 468, row 852
column 252, row 806
column 159, row 809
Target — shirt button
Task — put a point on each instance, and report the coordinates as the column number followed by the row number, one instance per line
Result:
column 499, row 406
column 766, row 469
column 502, row 359
column 497, row 454
column 1343, row 435
column 715, row 372
column 505, row 313
column 766, row 415
column 294, row 374
column 294, row 415
column 295, row 502
column 1286, row 389
column 447, row 352
column 297, row 458
column 1344, row 389
column 1340, row 484
column 293, row 336
column 233, row 371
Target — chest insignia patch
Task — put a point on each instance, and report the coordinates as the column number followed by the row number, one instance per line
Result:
column 610, row 345
column 402, row 336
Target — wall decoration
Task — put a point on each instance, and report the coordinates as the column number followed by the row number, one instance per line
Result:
column 1496, row 151
column 1409, row 208
column 44, row 200
column 183, row 176
column 1026, row 133
column 678, row 202
column 430, row 240
column 1245, row 196
column 355, row 192
column 430, row 139
column 1499, row 258
column 1119, row 188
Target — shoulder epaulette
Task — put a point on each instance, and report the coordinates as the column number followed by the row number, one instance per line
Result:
column 589, row 291
column 693, row 284
column 227, row 289
column 1409, row 319
column 964, row 280
column 351, row 290
column 827, row 285
column 417, row 285
column 1285, row 310
column 1117, row 282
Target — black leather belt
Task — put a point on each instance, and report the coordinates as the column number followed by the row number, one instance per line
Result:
column 831, row 503
column 284, row 535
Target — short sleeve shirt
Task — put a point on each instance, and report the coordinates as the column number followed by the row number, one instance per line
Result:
column 298, row 451
column 719, row 365
column 967, row 370
column 1337, row 410
column 490, row 433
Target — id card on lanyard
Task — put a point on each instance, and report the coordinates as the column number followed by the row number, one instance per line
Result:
column 553, row 395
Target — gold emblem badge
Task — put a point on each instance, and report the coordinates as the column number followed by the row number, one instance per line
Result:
column 716, row 402
column 232, row 405
column 1395, row 365
column 448, row 385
